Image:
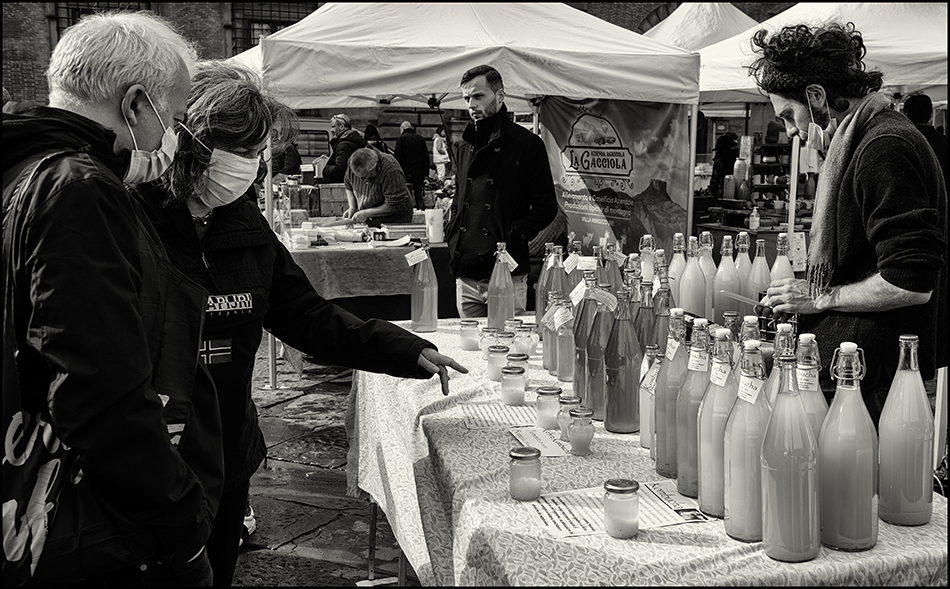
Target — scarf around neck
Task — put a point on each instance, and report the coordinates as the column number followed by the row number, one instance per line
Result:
column 823, row 254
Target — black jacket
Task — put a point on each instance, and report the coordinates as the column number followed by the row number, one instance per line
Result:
column 413, row 156
column 505, row 193
column 342, row 148
column 254, row 283
column 100, row 339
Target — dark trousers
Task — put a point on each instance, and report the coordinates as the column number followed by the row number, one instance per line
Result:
column 224, row 543
column 196, row 573
column 418, row 192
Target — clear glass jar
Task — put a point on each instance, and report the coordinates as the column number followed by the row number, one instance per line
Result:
column 548, row 404
column 527, row 338
column 512, row 325
column 566, row 403
column 506, row 338
column 468, row 334
column 581, row 430
column 524, row 473
column 521, row 360
column 497, row 359
column 486, row 337
column 622, row 508
column 512, row 385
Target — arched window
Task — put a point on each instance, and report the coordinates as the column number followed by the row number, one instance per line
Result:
column 656, row 17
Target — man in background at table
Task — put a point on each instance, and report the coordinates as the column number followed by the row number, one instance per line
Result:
column 505, row 193
column 376, row 189
column 344, row 141
column 919, row 109
column 413, row 155
column 877, row 258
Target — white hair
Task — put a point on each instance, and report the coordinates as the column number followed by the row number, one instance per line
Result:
column 102, row 55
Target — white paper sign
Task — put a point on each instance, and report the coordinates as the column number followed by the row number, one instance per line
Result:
column 548, row 319
column 749, row 388
column 807, row 379
column 577, row 295
column 719, row 373
column 491, row 414
column 698, row 360
column 587, row 263
column 797, row 251
column 548, row 441
column 671, row 346
column 414, row 257
column 570, row 263
column 561, row 317
column 606, row 298
column 512, row 264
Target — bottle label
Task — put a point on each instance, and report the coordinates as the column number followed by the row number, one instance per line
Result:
column 587, row 263
column 606, row 298
column 561, row 317
column 506, row 258
column 671, row 346
column 551, row 262
column 749, row 388
column 571, row 262
column 698, row 360
column 548, row 319
column 719, row 373
column 807, row 379
column 414, row 257
column 649, row 382
column 577, row 295
column 617, row 256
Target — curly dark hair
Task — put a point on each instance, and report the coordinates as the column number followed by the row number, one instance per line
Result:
column 799, row 55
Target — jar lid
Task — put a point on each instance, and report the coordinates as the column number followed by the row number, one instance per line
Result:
column 489, row 330
column 505, row 334
column 581, row 411
column 621, row 486
column 514, row 321
column 549, row 391
column 570, row 400
column 497, row 349
column 512, row 370
column 528, row 326
column 469, row 322
column 524, row 453
column 517, row 357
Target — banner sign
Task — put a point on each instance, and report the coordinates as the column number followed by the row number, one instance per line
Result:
column 621, row 168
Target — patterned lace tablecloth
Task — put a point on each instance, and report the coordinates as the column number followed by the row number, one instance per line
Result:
column 444, row 489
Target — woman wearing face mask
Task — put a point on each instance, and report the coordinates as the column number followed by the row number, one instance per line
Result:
column 213, row 230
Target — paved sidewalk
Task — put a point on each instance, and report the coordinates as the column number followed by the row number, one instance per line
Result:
column 309, row 533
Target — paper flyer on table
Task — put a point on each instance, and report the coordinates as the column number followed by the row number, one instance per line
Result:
column 547, row 440
column 486, row 414
column 581, row 512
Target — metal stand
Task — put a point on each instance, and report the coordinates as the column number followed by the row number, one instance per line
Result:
column 371, row 581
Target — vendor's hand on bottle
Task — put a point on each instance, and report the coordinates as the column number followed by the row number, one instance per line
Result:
column 358, row 217
column 436, row 363
column 348, row 213
column 790, row 295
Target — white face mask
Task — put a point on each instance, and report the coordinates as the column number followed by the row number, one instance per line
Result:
column 229, row 176
column 818, row 138
column 145, row 166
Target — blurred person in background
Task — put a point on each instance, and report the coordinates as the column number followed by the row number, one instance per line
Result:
column 440, row 152
column 413, row 155
column 344, row 140
column 372, row 138
column 376, row 190
column 920, row 109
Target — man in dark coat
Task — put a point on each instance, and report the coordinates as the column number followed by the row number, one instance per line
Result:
column 413, row 155
column 919, row 109
column 345, row 140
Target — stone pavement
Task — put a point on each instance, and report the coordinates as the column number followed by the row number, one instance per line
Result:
column 309, row 533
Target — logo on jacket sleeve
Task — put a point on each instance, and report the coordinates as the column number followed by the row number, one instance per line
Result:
column 215, row 351
column 230, row 304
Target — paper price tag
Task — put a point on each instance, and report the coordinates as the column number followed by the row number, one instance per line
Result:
column 550, row 263
column 644, row 368
column 671, row 346
column 797, row 251
column 807, row 379
column 617, row 256
column 649, row 383
column 577, row 295
column 749, row 388
column 608, row 299
column 719, row 373
column 413, row 258
column 561, row 317
column 512, row 264
column 587, row 263
column 570, row 263
column 548, row 319
column 698, row 361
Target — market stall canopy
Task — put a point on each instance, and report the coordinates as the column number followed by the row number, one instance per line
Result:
column 906, row 41
column 347, row 55
column 695, row 25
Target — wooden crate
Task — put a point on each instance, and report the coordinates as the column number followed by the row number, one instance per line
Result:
column 332, row 200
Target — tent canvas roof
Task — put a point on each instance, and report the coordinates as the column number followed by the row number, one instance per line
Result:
column 695, row 25
column 907, row 41
column 351, row 54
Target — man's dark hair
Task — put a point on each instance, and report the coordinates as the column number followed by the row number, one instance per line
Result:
column 919, row 109
column 492, row 77
column 830, row 55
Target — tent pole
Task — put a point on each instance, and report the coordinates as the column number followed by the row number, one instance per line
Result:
column 793, row 184
column 746, row 119
column 693, row 127
column 269, row 208
column 537, row 116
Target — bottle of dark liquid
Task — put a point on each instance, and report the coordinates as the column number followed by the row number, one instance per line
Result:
column 622, row 361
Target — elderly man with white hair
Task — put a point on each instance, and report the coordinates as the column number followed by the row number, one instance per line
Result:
column 376, row 189
column 112, row 466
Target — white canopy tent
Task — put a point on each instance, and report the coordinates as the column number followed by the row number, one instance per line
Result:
column 907, row 41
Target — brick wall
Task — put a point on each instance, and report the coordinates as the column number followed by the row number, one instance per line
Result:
column 202, row 23
column 26, row 50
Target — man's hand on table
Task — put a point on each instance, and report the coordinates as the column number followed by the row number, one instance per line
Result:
column 436, row 363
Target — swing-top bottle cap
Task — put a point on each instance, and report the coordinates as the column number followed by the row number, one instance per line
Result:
column 806, row 338
column 700, row 322
column 849, row 347
column 751, row 344
column 784, row 327
column 723, row 333
column 751, row 318
column 909, row 338
column 676, row 311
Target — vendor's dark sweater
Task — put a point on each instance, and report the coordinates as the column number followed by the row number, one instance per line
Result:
column 892, row 219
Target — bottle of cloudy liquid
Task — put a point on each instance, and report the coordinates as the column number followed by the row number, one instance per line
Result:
column 677, row 265
column 708, row 266
column 790, row 510
column 582, row 324
column 424, row 296
column 668, row 384
column 726, row 279
column 647, row 246
column 749, row 329
column 784, row 344
column 622, row 361
column 742, row 443
column 743, row 268
column 806, row 375
column 906, row 430
column 847, row 460
column 541, row 288
column 564, row 321
column 595, row 377
column 501, row 291
column 714, row 409
column 647, row 388
column 760, row 277
column 632, row 271
column 687, row 411
column 781, row 267
column 692, row 287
